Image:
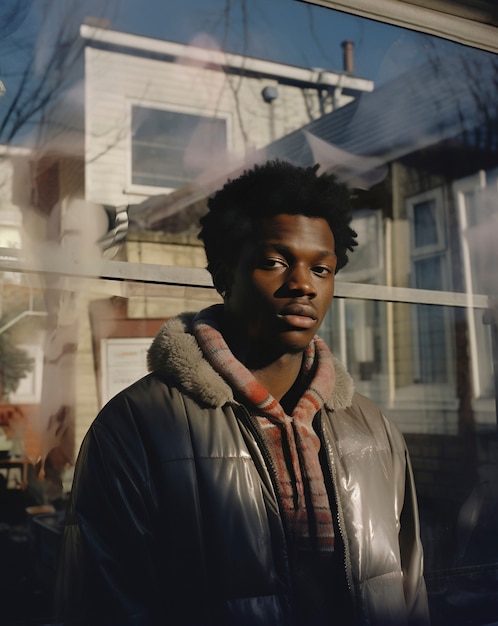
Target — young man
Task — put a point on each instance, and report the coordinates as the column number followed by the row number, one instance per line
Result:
column 243, row 481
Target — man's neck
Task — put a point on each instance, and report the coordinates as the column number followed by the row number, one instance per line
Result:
column 277, row 371
column 280, row 378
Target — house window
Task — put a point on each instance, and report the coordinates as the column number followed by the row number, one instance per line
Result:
column 432, row 331
column 170, row 149
column 355, row 328
column 427, row 225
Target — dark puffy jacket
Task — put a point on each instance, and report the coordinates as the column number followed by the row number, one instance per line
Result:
column 174, row 516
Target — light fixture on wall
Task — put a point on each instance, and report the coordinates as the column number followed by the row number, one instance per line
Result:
column 269, row 93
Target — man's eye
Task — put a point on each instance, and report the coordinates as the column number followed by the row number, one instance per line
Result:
column 273, row 263
column 322, row 270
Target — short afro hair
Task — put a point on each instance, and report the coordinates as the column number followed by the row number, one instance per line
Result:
column 273, row 188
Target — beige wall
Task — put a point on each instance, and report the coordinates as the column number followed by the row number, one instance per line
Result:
column 115, row 81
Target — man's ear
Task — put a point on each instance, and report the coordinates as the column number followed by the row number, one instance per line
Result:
column 222, row 279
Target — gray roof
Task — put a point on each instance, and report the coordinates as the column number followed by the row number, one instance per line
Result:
column 451, row 98
column 454, row 99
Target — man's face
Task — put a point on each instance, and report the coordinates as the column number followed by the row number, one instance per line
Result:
column 283, row 284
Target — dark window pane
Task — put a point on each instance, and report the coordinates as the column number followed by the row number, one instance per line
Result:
column 425, row 224
column 170, row 149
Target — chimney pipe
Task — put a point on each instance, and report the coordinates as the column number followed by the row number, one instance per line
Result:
column 348, row 56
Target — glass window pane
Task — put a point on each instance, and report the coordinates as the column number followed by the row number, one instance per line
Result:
column 428, row 273
column 170, row 149
column 425, row 224
column 118, row 120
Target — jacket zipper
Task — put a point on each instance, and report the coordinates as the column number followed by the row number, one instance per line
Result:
column 333, row 475
column 263, row 446
column 272, row 472
column 331, row 465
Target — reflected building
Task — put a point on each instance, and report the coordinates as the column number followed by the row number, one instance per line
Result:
column 426, row 225
column 147, row 129
column 110, row 199
column 151, row 128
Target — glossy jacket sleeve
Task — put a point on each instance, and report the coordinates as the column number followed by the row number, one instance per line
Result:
column 412, row 554
column 107, row 561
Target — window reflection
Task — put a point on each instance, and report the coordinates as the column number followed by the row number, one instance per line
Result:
column 425, row 224
column 113, row 133
column 168, row 146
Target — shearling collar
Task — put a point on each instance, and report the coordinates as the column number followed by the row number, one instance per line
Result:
column 175, row 353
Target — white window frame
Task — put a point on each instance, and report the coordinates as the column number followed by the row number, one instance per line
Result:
column 419, row 253
column 481, row 368
column 133, row 188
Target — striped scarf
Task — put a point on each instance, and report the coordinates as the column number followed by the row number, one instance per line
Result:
column 292, row 441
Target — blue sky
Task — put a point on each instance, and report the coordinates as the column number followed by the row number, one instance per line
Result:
column 287, row 31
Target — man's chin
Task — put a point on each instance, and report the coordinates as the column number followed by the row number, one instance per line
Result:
column 293, row 346
column 293, row 349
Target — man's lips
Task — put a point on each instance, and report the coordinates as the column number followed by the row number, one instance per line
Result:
column 299, row 316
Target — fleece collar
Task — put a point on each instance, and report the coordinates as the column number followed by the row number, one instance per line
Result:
column 175, row 353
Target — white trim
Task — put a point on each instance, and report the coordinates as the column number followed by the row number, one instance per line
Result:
column 14, row 151
column 143, row 190
column 471, row 184
column 460, row 188
column 148, row 190
column 409, row 295
column 189, row 53
column 343, row 345
column 439, row 22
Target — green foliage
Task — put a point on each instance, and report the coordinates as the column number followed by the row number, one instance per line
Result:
column 15, row 364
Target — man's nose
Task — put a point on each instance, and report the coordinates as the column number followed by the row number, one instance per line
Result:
column 300, row 280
